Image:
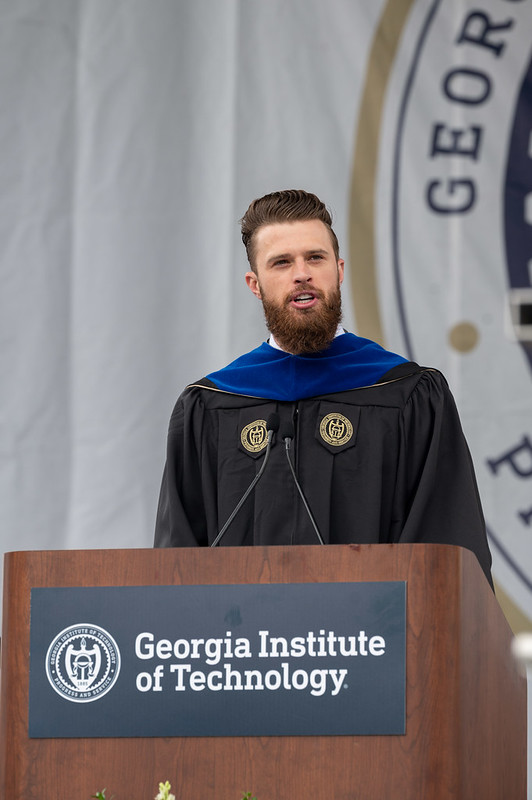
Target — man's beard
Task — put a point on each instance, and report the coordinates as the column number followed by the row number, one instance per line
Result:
column 307, row 330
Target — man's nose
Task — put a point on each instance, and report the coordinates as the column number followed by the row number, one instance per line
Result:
column 301, row 271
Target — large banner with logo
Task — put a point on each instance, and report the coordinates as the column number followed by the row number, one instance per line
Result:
column 132, row 140
column 445, row 272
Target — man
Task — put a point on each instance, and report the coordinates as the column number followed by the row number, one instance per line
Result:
column 375, row 440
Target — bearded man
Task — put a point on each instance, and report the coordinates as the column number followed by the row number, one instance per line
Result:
column 374, row 441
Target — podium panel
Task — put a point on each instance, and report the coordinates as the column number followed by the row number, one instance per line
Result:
column 465, row 699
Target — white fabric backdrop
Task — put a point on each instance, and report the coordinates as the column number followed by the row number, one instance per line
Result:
column 132, row 138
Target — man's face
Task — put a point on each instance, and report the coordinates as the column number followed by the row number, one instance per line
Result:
column 298, row 280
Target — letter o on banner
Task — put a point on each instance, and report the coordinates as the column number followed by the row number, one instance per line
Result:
column 144, row 682
column 467, row 86
column 300, row 679
column 181, row 648
column 272, row 679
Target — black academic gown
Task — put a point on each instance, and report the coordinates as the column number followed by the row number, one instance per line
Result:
column 378, row 464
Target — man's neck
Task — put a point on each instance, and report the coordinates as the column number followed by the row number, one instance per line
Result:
column 272, row 342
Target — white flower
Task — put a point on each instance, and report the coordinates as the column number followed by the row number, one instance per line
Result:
column 164, row 792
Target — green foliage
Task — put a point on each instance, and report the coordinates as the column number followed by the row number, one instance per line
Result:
column 248, row 796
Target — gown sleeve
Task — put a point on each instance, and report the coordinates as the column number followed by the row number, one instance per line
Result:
column 438, row 489
column 181, row 514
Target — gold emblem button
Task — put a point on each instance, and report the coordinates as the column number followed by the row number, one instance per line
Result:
column 335, row 429
column 254, row 436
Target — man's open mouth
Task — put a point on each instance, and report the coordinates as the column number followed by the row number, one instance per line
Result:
column 305, row 299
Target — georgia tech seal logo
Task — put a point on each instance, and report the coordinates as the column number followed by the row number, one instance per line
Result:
column 336, row 429
column 82, row 663
column 254, row 436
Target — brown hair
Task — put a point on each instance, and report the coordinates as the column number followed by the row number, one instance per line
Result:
column 289, row 205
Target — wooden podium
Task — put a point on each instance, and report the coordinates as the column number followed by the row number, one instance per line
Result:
column 465, row 700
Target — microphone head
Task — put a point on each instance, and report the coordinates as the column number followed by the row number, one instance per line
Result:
column 288, row 430
column 273, row 422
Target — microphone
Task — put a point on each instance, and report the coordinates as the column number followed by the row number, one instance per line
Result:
column 272, row 426
column 287, row 436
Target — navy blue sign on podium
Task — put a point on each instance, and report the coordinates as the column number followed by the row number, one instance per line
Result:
column 223, row 660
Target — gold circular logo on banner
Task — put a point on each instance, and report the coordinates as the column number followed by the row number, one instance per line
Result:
column 336, row 429
column 254, row 436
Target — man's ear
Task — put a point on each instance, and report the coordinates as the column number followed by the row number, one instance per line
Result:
column 253, row 283
column 340, row 270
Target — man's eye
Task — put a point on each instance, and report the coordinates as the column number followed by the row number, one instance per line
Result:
column 316, row 257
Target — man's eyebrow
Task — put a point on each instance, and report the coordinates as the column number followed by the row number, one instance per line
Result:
column 278, row 257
